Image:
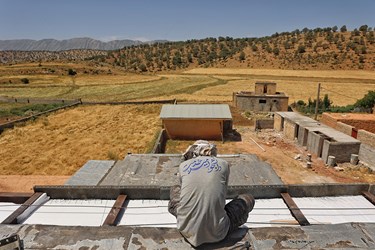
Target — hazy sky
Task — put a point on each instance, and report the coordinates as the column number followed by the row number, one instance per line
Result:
column 175, row 19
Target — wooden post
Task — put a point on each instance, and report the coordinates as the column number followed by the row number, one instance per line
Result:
column 294, row 209
column 369, row 196
column 317, row 103
column 12, row 219
column 115, row 211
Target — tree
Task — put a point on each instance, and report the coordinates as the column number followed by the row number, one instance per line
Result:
column 368, row 101
column 363, row 29
column 71, row 72
column 334, row 28
column 301, row 48
column 326, row 102
column 343, row 28
column 242, row 56
column 142, row 67
column 276, row 51
column 25, row 80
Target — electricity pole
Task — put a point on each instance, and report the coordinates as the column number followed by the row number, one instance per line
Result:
column 317, row 103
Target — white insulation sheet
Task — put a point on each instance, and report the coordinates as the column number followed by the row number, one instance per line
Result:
column 71, row 212
column 335, row 210
column 148, row 213
column 270, row 213
column 6, row 209
column 154, row 213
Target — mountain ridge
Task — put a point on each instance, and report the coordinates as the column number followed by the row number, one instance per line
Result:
column 50, row 44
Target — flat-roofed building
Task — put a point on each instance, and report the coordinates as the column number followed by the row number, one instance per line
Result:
column 196, row 121
column 264, row 99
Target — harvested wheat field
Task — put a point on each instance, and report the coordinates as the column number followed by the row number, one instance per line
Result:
column 59, row 144
column 343, row 87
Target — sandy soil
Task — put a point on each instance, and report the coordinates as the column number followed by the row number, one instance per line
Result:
column 25, row 183
column 270, row 146
column 89, row 125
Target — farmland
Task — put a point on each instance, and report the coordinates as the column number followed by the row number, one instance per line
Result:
column 197, row 85
column 60, row 143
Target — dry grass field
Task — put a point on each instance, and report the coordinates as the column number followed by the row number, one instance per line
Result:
column 61, row 143
column 196, row 85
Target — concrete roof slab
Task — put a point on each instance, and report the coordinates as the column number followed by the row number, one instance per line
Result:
column 162, row 170
column 339, row 236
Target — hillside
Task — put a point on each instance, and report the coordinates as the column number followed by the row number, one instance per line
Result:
column 328, row 48
column 320, row 49
column 69, row 44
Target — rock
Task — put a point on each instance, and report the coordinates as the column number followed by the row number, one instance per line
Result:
column 297, row 157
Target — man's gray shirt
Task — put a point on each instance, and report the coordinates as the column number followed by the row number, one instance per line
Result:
column 201, row 217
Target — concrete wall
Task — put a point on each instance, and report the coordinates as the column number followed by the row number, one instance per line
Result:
column 268, row 88
column 278, row 122
column 341, row 151
column 368, row 125
column 328, row 120
column 344, row 128
column 366, row 137
column 315, row 143
column 190, row 129
column 289, row 129
column 303, row 133
column 264, row 123
column 367, row 155
column 262, row 103
column 160, row 143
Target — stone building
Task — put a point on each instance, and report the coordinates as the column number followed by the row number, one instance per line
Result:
column 265, row 98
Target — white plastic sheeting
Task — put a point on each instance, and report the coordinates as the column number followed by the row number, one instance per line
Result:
column 40, row 201
column 148, row 213
column 6, row 209
column 154, row 213
column 71, row 212
column 338, row 209
column 270, row 213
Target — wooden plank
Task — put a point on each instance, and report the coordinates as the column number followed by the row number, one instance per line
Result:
column 294, row 209
column 17, row 198
column 369, row 196
column 116, row 209
column 12, row 219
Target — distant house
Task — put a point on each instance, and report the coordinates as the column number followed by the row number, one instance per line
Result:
column 264, row 99
column 196, row 121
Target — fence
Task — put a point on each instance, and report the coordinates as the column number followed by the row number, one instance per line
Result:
column 36, row 100
column 69, row 101
column 25, row 119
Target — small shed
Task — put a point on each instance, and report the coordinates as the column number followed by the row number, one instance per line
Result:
column 196, row 121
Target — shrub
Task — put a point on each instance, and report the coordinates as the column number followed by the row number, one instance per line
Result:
column 25, row 80
column 367, row 102
column 71, row 72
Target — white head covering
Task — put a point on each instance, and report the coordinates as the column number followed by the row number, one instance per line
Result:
column 200, row 148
